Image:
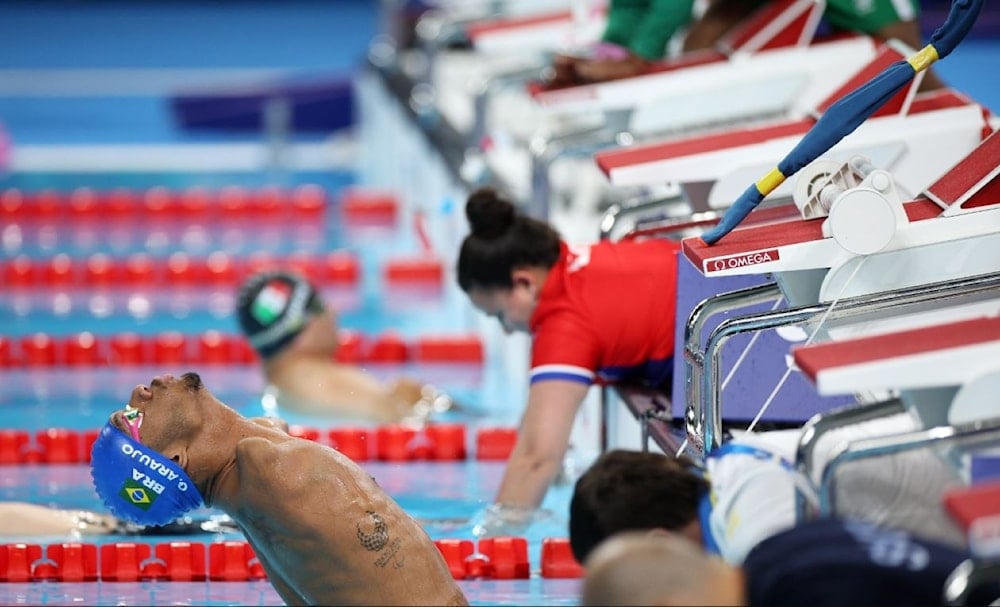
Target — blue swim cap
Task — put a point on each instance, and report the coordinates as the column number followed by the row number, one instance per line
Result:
column 138, row 484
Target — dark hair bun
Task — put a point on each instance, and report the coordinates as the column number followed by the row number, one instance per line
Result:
column 489, row 215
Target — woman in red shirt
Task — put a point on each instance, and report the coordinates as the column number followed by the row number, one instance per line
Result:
column 597, row 313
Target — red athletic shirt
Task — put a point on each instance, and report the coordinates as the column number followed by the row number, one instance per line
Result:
column 606, row 314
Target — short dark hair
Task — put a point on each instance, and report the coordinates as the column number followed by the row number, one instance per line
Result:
column 500, row 240
column 632, row 490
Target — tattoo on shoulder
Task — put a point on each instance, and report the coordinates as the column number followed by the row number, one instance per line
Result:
column 373, row 533
column 377, row 538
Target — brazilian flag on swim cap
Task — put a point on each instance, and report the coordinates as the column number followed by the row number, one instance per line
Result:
column 139, row 496
column 138, row 484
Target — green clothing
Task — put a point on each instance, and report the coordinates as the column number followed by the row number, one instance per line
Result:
column 869, row 16
column 866, row 16
column 645, row 26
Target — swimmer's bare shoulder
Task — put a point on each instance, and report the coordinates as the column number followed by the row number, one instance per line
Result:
column 288, row 467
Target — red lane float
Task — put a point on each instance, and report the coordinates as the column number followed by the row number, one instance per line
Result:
column 508, row 557
column 157, row 204
column 360, row 205
column 501, row 558
column 337, row 268
column 215, row 347
column 389, row 347
column 558, row 560
column 495, row 443
column 414, row 271
column 391, row 443
column 448, row 349
column 355, row 443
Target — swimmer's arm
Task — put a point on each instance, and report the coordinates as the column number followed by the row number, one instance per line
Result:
column 541, row 442
column 325, row 388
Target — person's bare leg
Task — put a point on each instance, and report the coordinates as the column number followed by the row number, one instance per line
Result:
column 719, row 18
column 908, row 32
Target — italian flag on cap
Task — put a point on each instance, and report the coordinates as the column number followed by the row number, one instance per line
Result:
column 271, row 301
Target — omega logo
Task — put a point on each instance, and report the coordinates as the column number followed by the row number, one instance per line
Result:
column 720, row 264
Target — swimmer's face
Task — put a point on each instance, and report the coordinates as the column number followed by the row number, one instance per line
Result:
column 162, row 411
column 511, row 307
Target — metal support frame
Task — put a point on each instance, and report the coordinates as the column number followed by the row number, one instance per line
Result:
column 708, row 407
column 820, row 424
column 545, row 151
column 606, row 405
column 644, row 420
column 643, row 204
column 483, row 91
column 980, row 432
column 694, row 357
column 652, row 410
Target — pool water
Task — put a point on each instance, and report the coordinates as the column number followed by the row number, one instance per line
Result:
column 444, row 496
column 293, row 39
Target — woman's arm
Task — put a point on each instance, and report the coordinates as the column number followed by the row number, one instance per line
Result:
column 541, row 442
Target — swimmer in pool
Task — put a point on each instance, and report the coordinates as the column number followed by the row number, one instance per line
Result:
column 295, row 334
column 25, row 519
column 322, row 528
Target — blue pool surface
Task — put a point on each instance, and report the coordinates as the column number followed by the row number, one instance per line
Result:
column 277, row 41
column 443, row 496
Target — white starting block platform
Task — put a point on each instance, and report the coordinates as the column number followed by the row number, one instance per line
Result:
column 770, row 65
column 944, row 354
column 539, row 33
column 953, row 231
column 915, row 136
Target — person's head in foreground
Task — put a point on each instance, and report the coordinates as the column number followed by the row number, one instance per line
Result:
column 649, row 568
column 824, row 562
column 321, row 527
column 504, row 260
column 279, row 310
column 634, row 490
